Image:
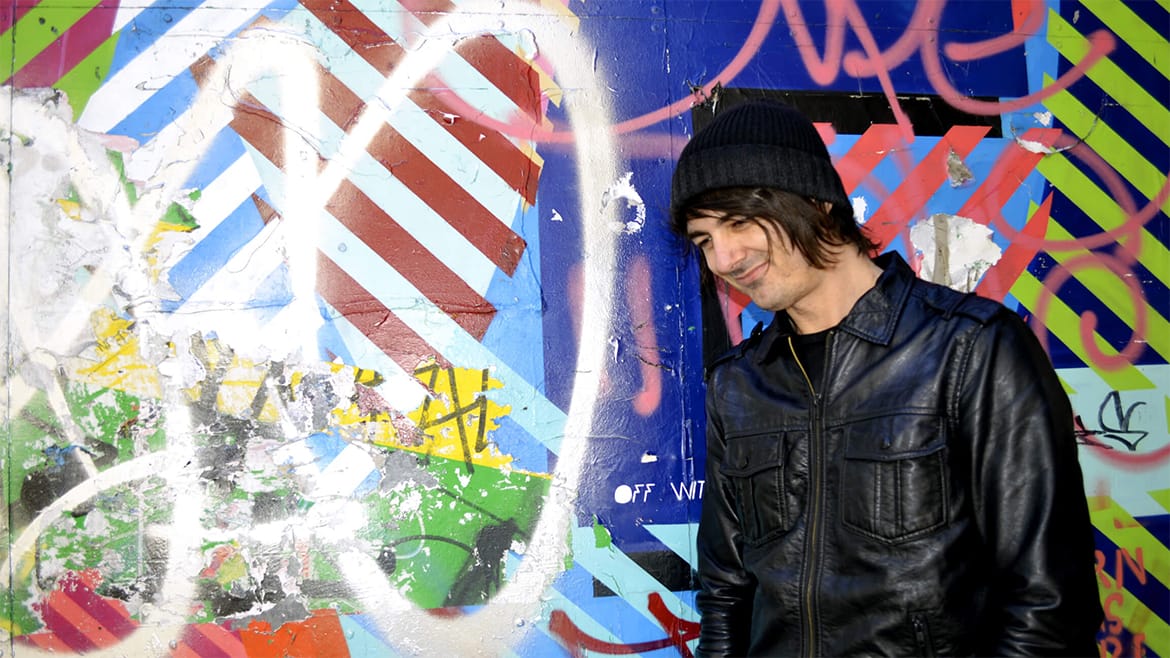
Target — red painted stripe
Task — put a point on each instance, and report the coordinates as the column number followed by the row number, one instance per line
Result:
column 997, row 282
column 385, row 329
column 428, row 181
column 499, row 153
column 67, row 51
column 379, row 231
column 366, row 39
column 506, row 70
column 920, row 184
column 110, row 614
column 64, row 628
column 1014, row 165
column 396, row 246
column 867, row 152
column 358, row 32
column 428, row 11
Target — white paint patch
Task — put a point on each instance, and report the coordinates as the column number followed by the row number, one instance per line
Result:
column 1043, row 118
column 556, row 217
column 624, row 189
column 956, row 251
column 1034, row 147
column 623, row 494
column 649, row 458
column 860, row 209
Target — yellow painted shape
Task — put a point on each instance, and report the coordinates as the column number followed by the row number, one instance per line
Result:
column 1136, row 617
column 1123, row 530
column 1113, row 521
column 119, row 364
column 1063, row 323
column 458, row 414
column 1162, row 497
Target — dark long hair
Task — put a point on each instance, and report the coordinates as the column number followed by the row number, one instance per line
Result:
column 812, row 230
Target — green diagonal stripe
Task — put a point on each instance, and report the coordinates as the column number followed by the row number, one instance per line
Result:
column 1110, row 78
column 41, row 26
column 1117, row 152
column 1102, row 209
column 1130, row 28
column 1063, row 323
column 80, row 83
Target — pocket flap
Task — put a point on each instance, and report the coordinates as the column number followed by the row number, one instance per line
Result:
column 895, row 437
column 748, row 455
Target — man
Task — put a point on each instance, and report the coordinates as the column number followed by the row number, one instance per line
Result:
column 891, row 464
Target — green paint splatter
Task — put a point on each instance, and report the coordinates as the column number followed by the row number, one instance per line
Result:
column 600, row 535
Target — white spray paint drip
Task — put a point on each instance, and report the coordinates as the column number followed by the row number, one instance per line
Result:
column 624, row 189
column 956, row 251
column 403, row 625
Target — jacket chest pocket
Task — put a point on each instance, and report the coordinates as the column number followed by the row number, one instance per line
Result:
column 767, row 487
column 894, row 484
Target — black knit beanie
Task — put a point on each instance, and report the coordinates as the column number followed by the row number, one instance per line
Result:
column 758, row 143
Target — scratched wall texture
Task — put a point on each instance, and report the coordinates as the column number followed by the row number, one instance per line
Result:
column 352, row 327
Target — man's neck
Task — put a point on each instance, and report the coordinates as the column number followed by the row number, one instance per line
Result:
column 845, row 281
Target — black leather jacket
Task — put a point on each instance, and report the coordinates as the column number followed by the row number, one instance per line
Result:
column 926, row 501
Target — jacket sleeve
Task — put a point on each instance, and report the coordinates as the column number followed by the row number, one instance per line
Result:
column 726, row 589
column 1028, row 495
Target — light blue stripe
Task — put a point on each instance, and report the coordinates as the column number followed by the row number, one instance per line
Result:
column 678, row 537
column 410, row 211
column 145, row 29
column 361, row 638
column 459, row 75
column 529, row 407
column 621, row 574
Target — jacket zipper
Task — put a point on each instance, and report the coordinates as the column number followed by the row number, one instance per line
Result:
column 808, row 610
column 921, row 635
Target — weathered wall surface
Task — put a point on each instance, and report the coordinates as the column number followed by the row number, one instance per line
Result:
column 352, row 327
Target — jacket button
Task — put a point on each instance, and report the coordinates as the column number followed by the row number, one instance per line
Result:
column 887, row 442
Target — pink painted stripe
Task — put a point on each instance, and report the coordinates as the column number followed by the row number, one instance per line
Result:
column 104, row 611
column 229, row 642
column 81, row 617
column 74, row 45
column 9, row 14
column 203, row 646
column 66, row 630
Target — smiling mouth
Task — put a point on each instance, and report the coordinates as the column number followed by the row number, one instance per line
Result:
column 748, row 276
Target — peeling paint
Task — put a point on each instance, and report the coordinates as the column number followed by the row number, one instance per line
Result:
column 956, row 251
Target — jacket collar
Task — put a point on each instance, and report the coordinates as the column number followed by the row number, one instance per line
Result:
column 872, row 318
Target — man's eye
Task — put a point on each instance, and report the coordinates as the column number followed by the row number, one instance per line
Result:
column 701, row 244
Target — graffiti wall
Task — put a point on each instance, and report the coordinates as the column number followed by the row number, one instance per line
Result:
column 353, row 327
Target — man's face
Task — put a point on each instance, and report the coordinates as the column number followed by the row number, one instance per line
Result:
column 775, row 275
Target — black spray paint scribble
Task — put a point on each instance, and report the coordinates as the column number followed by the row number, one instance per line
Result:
column 1114, row 423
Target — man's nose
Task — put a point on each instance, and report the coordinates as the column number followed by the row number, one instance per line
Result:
column 724, row 255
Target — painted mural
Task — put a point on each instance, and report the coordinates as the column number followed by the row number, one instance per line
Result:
column 353, row 328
